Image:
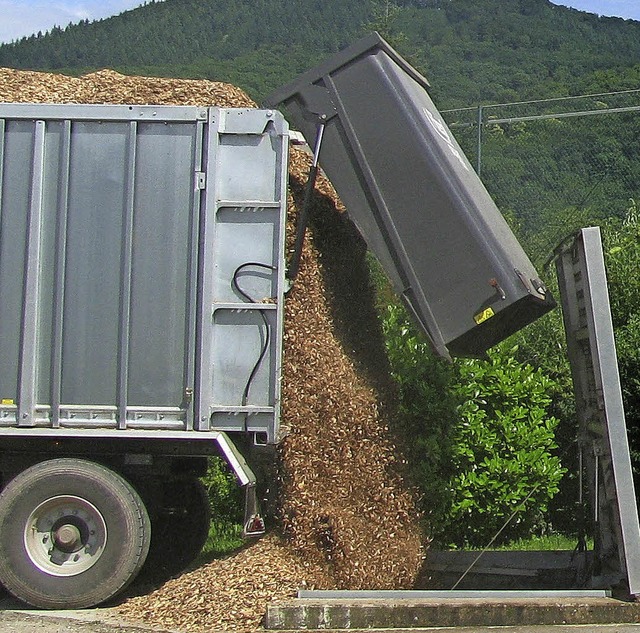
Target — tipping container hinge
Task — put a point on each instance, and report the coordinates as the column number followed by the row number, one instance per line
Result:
column 318, row 102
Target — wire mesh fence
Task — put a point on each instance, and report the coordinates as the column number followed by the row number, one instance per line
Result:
column 557, row 163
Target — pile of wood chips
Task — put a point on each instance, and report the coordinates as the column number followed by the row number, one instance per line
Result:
column 348, row 519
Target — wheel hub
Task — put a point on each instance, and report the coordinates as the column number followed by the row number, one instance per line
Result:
column 65, row 535
column 67, row 538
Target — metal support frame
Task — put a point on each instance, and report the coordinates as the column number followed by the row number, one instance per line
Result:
column 303, row 218
column 602, row 431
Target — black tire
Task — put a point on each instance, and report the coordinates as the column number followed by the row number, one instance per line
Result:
column 73, row 534
column 180, row 519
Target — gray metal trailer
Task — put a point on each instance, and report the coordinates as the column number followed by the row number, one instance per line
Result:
column 142, row 281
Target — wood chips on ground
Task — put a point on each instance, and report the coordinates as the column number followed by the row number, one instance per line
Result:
column 347, row 518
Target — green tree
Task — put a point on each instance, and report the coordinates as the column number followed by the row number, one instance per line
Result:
column 622, row 257
column 472, row 51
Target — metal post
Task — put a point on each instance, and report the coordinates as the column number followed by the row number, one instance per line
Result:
column 479, row 143
column 303, row 218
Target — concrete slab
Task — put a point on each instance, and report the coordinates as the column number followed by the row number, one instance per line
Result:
column 16, row 617
column 305, row 614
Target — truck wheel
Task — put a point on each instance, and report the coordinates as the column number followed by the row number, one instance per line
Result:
column 180, row 520
column 72, row 534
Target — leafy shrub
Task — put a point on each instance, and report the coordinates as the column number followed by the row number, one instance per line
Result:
column 426, row 412
column 480, row 438
column 226, row 504
column 225, row 496
column 503, row 445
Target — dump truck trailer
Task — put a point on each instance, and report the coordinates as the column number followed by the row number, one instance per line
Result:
column 143, row 279
column 142, row 270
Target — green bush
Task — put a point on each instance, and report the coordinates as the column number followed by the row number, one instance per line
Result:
column 503, row 445
column 479, row 437
column 225, row 496
column 227, row 508
column 426, row 412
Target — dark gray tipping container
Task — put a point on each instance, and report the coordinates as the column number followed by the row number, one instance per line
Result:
column 415, row 198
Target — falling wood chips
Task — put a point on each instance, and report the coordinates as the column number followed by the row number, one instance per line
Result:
column 348, row 520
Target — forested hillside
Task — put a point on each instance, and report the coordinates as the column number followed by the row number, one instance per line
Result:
column 472, row 50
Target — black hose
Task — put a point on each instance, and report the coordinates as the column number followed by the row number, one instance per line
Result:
column 267, row 337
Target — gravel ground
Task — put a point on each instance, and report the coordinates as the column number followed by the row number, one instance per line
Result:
column 93, row 621
column 103, row 621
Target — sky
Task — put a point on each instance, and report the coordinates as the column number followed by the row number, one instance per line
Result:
column 26, row 17
column 629, row 9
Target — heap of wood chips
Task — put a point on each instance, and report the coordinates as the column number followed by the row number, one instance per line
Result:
column 348, row 519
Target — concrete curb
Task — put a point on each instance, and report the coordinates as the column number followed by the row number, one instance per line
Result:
column 305, row 614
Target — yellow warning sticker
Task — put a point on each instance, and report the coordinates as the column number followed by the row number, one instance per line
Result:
column 7, row 401
column 484, row 316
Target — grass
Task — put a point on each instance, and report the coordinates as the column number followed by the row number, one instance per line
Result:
column 224, row 538
column 546, row 543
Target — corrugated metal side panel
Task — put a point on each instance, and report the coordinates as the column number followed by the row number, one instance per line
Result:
column 16, row 183
column 98, row 242
column 141, row 269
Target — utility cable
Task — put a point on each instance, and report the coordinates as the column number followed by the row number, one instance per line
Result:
column 497, row 534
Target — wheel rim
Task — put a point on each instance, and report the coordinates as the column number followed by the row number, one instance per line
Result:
column 65, row 535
